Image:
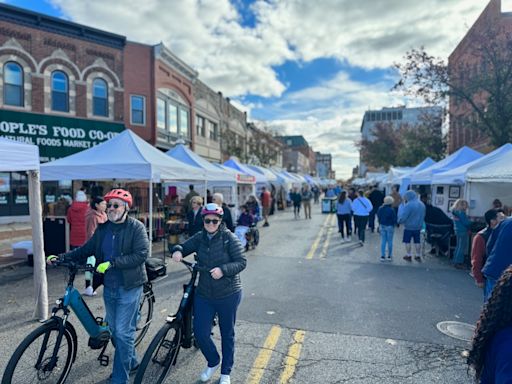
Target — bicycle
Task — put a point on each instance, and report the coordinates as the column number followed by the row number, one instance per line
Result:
column 176, row 333
column 48, row 353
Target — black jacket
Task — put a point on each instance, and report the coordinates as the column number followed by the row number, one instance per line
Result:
column 133, row 244
column 227, row 218
column 195, row 223
column 223, row 250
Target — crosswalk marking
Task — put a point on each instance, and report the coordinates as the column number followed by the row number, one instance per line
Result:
column 261, row 362
column 292, row 358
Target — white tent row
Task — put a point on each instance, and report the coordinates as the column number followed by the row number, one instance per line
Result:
column 15, row 156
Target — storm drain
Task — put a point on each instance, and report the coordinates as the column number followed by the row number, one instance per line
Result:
column 457, row 330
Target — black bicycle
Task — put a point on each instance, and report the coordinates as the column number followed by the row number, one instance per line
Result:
column 176, row 333
column 47, row 354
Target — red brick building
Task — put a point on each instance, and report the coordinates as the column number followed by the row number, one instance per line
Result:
column 465, row 64
column 159, row 97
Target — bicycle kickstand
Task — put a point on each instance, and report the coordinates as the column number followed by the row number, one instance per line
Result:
column 102, row 358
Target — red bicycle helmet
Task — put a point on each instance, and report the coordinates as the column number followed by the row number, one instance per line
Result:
column 120, row 194
column 212, row 209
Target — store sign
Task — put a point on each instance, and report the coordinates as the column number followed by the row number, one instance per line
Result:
column 246, row 179
column 55, row 136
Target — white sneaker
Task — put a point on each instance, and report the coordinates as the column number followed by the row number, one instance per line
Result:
column 349, row 238
column 224, row 379
column 208, row 373
column 88, row 291
column 343, row 240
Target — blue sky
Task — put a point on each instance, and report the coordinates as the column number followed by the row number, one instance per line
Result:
column 296, row 66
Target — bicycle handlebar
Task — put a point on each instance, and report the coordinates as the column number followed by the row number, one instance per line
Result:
column 194, row 265
column 73, row 265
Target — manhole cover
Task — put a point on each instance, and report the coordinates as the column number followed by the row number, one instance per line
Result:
column 457, row 330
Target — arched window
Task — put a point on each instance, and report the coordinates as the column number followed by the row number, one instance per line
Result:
column 99, row 97
column 13, row 84
column 60, row 92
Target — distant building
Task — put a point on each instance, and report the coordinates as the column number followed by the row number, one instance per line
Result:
column 292, row 161
column 463, row 65
column 397, row 116
column 324, row 165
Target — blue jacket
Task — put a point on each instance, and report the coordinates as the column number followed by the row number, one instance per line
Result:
column 500, row 256
column 411, row 214
column 463, row 224
column 344, row 208
column 386, row 215
column 498, row 359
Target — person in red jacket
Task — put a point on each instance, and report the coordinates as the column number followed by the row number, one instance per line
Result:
column 76, row 219
column 266, row 202
column 478, row 250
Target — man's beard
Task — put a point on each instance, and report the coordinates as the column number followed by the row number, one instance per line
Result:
column 114, row 216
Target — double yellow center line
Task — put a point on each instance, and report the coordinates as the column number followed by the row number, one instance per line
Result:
column 263, row 358
column 326, row 227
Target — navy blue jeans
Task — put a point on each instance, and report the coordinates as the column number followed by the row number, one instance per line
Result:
column 204, row 313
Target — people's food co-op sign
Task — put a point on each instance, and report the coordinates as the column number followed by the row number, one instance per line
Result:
column 55, row 136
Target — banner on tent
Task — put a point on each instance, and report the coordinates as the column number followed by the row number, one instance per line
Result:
column 56, row 136
column 248, row 179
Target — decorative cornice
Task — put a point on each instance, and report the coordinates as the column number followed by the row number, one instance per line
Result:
column 164, row 54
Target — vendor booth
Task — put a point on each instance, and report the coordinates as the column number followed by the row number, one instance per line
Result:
column 21, row 157
column 125, row 157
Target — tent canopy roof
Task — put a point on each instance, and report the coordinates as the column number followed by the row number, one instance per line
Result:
column 462, row 156
column 16, row 156
column 236, row 165
column 497, row 169
column 124, row 157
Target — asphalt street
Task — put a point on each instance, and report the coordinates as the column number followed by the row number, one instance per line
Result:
column 315, row 310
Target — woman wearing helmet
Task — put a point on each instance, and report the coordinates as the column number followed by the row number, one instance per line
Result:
column 219, row 290
column 121, row 247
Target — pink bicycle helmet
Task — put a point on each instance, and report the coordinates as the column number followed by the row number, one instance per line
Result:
column 120, row 194
column 212, row 209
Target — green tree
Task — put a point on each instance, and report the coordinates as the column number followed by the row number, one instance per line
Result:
column 381, row 149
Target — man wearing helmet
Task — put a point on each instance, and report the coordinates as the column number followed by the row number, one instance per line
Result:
column 219, row 290
column 121, row 247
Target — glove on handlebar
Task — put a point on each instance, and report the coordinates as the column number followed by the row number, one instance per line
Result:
column 104, row 267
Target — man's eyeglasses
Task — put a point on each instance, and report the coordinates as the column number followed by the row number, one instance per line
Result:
column 115, row 206
column 214, row 221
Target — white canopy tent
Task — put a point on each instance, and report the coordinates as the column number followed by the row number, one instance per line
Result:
column 261, row 180
column 489, row 180
column 15, row 156
column 124, row 157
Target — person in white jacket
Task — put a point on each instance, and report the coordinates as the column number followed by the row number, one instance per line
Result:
column 361, row 207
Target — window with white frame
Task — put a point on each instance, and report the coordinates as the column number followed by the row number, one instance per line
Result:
column 13, row 84
column 138, row 109
column 200, row 126
column 184, row 123
column 99, row 97
column 160, row 113
column 172, row 118
column 60, row 92
column 213, row 129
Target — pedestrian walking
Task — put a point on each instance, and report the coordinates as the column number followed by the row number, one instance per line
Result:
column 361, row 207
column 411, row 214
column 188, row 197
column 218, row 292
column 76, row 219
column 377, row 199
column 306, row 196
column 296, row 200
column 499, row 255
column 490, row 356
column 96, row 215
column 316, row 193
column 266, row 202
column 344, row 215
column 462, row 231
column 121, row 247
column 387, row 222
column 397, row 199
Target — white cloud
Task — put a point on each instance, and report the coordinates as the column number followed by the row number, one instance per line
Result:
column 239, row 61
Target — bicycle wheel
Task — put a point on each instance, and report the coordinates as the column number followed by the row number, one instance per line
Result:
column 145, row 315
column 24, row 368
column 161, row 355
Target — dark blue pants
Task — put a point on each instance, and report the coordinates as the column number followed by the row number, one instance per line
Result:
column 204, row 313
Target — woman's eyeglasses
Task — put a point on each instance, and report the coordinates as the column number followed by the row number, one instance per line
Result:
column 115, row 206
column 214, row 221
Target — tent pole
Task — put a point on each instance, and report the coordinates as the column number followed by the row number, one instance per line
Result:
column 36, row 214
column 150, row 217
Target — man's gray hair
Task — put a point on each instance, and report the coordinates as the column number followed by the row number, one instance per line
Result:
column 218, row 195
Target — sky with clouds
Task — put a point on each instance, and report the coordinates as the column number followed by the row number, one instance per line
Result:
column 304, row 67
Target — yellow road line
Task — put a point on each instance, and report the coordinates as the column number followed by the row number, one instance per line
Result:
column 327, row 239
column 317, row 240
column 293, row 357
column 258, row 368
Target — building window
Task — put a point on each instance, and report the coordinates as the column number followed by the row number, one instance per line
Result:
column 99, row 97
column 184, row 122
column 138, row 109
column 160, row 113
column 214, row 131
column 13, row 84
column 200, row 126
column 172, row 118
column 60, row 92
